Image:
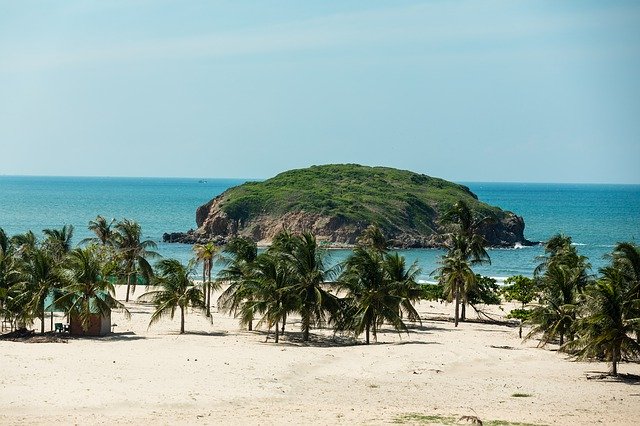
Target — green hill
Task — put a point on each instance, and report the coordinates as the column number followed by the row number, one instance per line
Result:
column 338, row 201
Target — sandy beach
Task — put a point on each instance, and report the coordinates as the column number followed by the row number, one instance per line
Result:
column 219, row 374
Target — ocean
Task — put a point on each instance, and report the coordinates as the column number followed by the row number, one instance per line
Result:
column 595, row 216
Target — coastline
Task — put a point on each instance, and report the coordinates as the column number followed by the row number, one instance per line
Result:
column 217, row 373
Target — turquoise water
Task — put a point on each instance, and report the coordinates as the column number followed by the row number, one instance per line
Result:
column 596, row 216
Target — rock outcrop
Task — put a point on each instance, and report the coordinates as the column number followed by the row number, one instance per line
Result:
column 409, row 220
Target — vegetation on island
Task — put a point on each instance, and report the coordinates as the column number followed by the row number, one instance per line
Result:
column 399, row 202
column 590, row 316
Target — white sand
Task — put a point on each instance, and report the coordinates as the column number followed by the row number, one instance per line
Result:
column 220, row 374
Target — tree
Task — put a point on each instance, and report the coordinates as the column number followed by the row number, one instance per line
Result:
column 373, row 237
column 102, row 228
column 270, row 286
column 378, row 289
column 206, row 253
column 466, row 238
column 519, row 288
column 89, row 292
column 239, row 254
column 133, row 253
column 561, row 277
column 24, row 243
column 9, row 277
column 455, row 274
column 58, row 241
column 42, row 276
column 309, row 274
column 403, row 283
column 178, row 291
column 523, row 290
column 609, row 316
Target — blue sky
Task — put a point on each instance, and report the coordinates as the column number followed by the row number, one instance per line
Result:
column 523, row 91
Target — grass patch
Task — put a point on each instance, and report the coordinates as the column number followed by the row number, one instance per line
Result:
column 424, row 418
column 417, row 418
column 521, row 395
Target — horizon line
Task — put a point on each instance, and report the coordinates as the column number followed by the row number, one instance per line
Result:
column 464, row 181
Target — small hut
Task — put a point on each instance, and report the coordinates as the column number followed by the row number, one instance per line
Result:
column 99, row 325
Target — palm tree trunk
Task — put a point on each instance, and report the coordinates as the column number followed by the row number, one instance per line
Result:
column 561, row 339
column 367, row 334
column 520, row 330
column 284, row 322
column 463, row 313
column 277, row 330
column 51, row 320
column 457, row 312
column 250, row 327
column 128, row 286
column 181, row 319
column 614, row 362
column 305, row 328
column 42, row 322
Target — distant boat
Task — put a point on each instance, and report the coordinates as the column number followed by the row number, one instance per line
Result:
column 202, row 181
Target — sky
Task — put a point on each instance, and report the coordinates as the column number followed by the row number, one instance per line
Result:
column 506, row 91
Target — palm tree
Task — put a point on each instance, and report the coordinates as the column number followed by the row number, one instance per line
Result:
column 102, row 228
column 178, row 291
column 455, row 274
column 309, row 275
column 404, row 283
column 24, row 243
column 555, row 314
column 468, row 240
column 270, row 287
column 378, row 289
column 42, row 276
column 89, row 293
column 206, row 253
column 133, row 253
column 373, row 238
column 9, row 276
column 610, row 315
column 239, row 255
column 561, row 277
column 58, row 241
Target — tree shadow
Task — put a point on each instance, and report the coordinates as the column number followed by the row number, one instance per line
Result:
column 114, row 337
column 296, row 339
column 427, row 328
column 207, row 333
column 408, row 342
column 627, row 378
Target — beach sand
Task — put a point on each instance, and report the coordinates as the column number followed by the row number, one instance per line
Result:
column 219, row 374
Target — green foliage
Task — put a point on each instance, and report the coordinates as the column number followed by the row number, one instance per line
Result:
column 520, row 288
column 433, row 292
column 486, row 291
column 394, row 199
column 177, row 291
column 609, row 316
column 379, row 289
column 562, row 276
column 521, row 314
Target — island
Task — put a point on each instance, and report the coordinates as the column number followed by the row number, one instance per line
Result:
column 337, row 202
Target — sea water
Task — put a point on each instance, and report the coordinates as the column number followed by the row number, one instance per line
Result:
column 595, row 216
